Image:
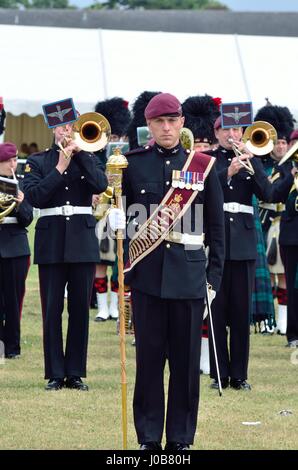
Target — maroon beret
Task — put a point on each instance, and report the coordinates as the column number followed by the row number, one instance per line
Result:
column 217, row 123
column 7, row 151
column 294, row 135
column 163, row 104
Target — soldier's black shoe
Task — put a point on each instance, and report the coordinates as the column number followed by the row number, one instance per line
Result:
column 12, row 356
column 292, row 344
column 176, row 446
column 153, row 446
column 76, row 383
column 54, row 384
column 224, row 383
column 239, row 384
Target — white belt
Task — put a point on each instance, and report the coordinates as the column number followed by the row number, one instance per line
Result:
column 185, row 238
column 9, row 220
column 236, row 207
column 65, row 210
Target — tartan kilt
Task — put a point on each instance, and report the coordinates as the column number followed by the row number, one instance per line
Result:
column 262, row 305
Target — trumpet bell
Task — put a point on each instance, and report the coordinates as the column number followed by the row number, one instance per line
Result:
column 260, row 138
column 7, row 205
column 91, row 132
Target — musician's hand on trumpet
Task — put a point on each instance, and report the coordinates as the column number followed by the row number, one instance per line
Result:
column 241, row 160
column 67, row 145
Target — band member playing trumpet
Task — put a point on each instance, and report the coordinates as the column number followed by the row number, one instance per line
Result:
column 232, row 305
column 61, row 181
column 282, row 120
column 14, row 256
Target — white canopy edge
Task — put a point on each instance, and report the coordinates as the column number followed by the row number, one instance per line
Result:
column 43, row 64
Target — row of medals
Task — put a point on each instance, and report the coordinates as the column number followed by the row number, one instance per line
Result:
column 188, row 180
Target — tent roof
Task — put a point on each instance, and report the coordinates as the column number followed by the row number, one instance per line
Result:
column 183, row 21
column 44, row 64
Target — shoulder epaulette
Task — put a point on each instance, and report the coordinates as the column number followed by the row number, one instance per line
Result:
column 38, row 154
column 144, row 149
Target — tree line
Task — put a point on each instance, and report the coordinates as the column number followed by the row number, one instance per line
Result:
column 117, row 4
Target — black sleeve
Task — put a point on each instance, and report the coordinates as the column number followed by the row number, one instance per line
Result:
column 262, row 187
column 39, row 189
column 24, row 212
column 292, row 204
column 91, row 168
column 214, row 226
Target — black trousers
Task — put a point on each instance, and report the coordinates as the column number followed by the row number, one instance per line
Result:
column 53, row 279
column 289, row 256
column 231, row 308
column 170, row 329
column 13, row 273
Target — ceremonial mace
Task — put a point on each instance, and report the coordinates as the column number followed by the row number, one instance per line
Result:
column 115, row 165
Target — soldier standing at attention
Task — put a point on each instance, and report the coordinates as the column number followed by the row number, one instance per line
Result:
column 167, row 272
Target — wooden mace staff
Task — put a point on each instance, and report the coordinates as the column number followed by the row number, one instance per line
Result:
column 115, row 165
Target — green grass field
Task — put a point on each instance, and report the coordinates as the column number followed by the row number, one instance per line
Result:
column 31, row 418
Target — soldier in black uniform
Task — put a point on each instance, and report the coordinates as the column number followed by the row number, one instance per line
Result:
column 283, row 121
column 14, row 258
column 169, row 284
column 66, row 250
column 233, row 302
column 288, row 240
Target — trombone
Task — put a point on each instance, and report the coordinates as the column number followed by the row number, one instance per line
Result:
column 259, row 139
column 91, row 132
column 292, row 154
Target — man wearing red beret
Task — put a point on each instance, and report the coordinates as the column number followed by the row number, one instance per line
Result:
column 14, row 257
column 166, row 270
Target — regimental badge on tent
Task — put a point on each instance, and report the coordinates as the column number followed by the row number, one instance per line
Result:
column 236, row 114
column 59, row 113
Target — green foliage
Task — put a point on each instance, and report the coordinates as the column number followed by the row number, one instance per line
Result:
column 45, row 4
column 118, row 4
column 160, row 4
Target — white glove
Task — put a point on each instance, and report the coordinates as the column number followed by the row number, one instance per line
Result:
column 211, row 293
column 116, row 219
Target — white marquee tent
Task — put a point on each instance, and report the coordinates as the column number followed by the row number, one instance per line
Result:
column 43, row 64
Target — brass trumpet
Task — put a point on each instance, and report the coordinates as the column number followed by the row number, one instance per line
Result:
column 91, row 132
column 260, row 138
column 246, row 164
column 292, row 154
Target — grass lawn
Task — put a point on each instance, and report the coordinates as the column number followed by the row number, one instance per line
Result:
column 31, row 418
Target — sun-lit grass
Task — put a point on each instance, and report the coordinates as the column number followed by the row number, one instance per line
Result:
column 31, row 418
